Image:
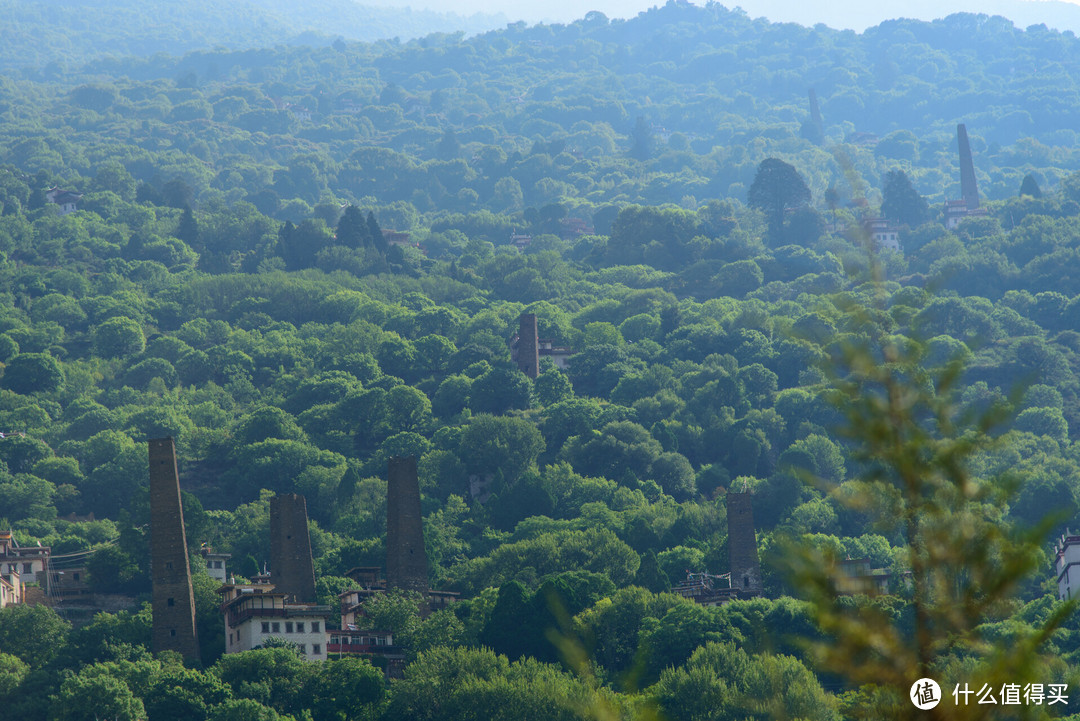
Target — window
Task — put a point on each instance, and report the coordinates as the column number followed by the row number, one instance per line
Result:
column 217, row 564
column 76, row 574
column 303, row 648
column 276, row 626
column 172, row 601
column 314, row 626
column 28, row 568
column 209, row 564
column 266, row 627
column 288, row 627
column 299, row 626
column 172, row 631
column 316, row 649
column 168, row 565
column 230, row 639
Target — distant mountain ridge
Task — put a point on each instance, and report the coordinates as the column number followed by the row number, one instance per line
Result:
column 858, row 16
column 72, row 32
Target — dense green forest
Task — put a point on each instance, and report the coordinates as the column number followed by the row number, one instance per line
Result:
column 696, row 239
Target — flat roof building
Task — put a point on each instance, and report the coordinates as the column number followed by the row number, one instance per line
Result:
column 256, row 612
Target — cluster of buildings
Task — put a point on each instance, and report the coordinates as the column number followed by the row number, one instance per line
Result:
column 885, row 233
column 527, row 348
column 743, row 579
column 35, row 575
column 283, row 604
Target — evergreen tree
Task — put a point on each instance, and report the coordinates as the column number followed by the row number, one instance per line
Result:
column 1030, row 187
column 901, row 202
column 777, row 187
column 353, row 230
column 287, row 245
column 917, row 448
column 187, row 229
column 376, row 234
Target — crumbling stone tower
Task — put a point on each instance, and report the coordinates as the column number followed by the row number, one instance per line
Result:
column 528, row 350
column 291, row 569
column 969, row 188
column 742, row 545
column 406, row 559
column 173, row 603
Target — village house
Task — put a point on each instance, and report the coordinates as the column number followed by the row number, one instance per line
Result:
column 66, row 199
column 30, row 562
column 255, row 613
column 1067, row 565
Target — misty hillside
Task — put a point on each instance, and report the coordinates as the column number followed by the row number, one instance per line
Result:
column 1055, row 14
column 70, row 32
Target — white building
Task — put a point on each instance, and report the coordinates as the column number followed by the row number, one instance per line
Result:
column 884, row 233
column 30, row 562
column 216, row 564
column 67, row 200
column 254, row 613
column 1068, row 565
column 10, row 589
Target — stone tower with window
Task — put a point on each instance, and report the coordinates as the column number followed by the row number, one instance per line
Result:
column 291, row 569
column 173, row 602
column 742, row 545
column 406, row 559
column 528, row 349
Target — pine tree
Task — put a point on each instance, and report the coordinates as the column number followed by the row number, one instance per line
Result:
column 916, row 448
column 376, row 234
column 353, row 230
column 187, row 229
column 1030, row 187
column 901, row 202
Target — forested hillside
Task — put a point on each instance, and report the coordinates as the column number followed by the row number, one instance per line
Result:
column 63, row 35
column 226, row 281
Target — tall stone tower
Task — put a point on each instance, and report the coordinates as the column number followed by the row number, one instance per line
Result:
column 815, row 114
column 406, row 559
column 528, row 350
column 969, row 189
column 291, row 569
column 173, row 603
column 742, row 545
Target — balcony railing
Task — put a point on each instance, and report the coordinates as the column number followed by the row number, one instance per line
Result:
column 361, row 648
column 244, row 614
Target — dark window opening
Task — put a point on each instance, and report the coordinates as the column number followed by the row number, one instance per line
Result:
column 172, row 602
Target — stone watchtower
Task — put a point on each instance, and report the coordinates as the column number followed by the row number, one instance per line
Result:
column 528, row 350
column 173, row 603
column 742, row 545
column 291, row 569
column 969, row 188
column 406, row 559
